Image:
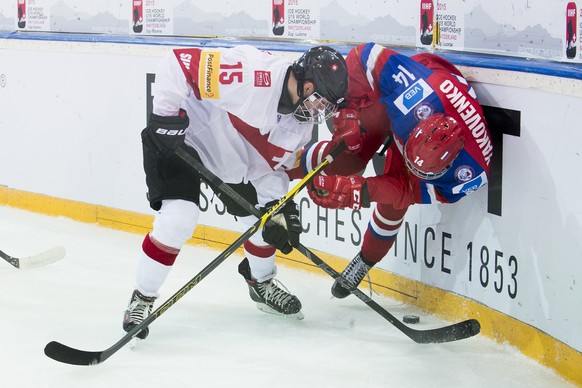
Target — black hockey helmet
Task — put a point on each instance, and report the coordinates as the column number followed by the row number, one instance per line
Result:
column 327, row 69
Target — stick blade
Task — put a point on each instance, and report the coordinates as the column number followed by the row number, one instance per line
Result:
column 72, row 356
column 47, row 257
column 454, row 332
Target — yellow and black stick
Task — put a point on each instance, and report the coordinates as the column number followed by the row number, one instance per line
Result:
column 68, row 355
column 454, row 332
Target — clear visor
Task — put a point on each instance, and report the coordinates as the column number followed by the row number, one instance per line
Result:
column 314, row 109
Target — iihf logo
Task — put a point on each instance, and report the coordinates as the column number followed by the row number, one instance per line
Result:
column 464, row 173
column 423, row 111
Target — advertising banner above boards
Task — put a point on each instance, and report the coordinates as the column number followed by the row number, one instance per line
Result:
column 531, row 29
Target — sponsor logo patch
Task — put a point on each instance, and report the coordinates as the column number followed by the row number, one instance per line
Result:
column 208, row 74
column 470, row 185
column 262, row 79
column 413, row 96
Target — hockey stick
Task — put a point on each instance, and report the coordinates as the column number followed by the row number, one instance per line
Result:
column 68, row 355
column 453, row 332
column 40, row 259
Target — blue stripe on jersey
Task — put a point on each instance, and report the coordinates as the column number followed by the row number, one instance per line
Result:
column 365, row 54
column 304, row 157
column 425, row 197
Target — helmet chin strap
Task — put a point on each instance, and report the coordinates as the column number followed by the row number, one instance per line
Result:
column 300, row 87
column 286, row 104
column 301, row 100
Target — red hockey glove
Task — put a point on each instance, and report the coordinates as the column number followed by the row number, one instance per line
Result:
column 334, row 192
column 347, row 129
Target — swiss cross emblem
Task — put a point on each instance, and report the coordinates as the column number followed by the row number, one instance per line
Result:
column 334, row 67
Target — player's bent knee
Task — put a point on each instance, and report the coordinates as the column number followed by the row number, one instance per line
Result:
column 175, row 222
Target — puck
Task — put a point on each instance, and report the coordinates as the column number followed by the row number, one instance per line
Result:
column 411, row 319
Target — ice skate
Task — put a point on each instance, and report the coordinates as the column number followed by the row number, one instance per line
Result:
column 271, row 298
column 139, row 308
column 354, row 273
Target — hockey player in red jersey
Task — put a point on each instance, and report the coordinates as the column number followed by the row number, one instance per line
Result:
column 437, row 140
column 246, row 114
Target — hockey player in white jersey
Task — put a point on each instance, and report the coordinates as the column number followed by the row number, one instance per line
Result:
column 246, row 114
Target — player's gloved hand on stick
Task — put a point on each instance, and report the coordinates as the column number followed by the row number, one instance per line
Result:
column 283, row 229
column 164, row 134
column 336, row 192
column 347, row 129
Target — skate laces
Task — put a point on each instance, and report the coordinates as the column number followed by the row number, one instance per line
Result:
column 139, row 309
column 275, row 292
column 356, row 271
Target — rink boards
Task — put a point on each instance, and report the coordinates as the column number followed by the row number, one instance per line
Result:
column 509, row 255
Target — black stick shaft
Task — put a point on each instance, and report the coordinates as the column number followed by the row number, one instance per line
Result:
column 68, row 355
column 12, row 260
column 454, row 332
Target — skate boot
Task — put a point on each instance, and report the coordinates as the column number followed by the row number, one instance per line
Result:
column 139, row 308
column 354, row 273
column 270, row 298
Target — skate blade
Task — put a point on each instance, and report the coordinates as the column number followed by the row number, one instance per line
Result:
column 266, row 309
column 133, row 343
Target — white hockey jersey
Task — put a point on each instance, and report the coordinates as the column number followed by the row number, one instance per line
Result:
column 231, row 97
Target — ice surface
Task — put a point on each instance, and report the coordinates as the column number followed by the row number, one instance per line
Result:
column 214, row 336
